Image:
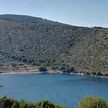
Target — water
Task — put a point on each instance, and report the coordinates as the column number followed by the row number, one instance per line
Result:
column 58, row 88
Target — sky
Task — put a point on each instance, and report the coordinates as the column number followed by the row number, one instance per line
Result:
column 74, row 12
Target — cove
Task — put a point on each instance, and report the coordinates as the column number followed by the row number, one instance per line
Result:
column 59, row 88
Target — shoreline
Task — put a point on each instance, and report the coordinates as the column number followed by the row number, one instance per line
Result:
column 21, row 72
column 32, row 72
column 30, row 69
column 55, row 72
column 91, row 75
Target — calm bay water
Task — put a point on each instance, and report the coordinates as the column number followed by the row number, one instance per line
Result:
column 59, row 88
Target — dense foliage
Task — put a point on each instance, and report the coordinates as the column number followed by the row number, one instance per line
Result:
column 40, row 42
column 92, row 102
column 88, row 102
column 12, row 103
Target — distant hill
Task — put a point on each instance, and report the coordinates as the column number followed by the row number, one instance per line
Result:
column 40, row 42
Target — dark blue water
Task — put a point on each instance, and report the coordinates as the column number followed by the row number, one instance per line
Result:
column 61, row 89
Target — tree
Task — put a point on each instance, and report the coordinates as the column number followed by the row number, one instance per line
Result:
column 23, row 104
column 42, row 69
column 12, row 103
column 92, row 102
column 72, row 69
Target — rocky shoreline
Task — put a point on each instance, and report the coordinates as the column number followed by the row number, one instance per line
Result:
column 28, row 69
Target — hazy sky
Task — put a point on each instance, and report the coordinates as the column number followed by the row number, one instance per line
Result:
column 74, row 12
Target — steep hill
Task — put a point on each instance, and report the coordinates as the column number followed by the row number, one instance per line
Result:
column 40, row 42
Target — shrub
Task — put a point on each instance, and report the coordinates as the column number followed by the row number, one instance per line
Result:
column 47, row 104
column 72, row 69
column 23, row 104
column 12, row 103
column 92, row 102
column 42, row 69
column 6, row 102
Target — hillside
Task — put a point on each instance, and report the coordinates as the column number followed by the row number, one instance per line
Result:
column 26, row 40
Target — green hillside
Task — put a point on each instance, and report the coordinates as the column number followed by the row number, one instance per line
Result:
column 40, row 42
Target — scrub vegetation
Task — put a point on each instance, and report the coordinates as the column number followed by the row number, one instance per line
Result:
column 88, row 102
column 40, row 42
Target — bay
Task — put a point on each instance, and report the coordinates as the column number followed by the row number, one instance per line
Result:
column 59, row 88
